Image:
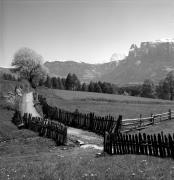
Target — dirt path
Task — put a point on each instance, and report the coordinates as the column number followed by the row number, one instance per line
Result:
column 28, row 105
column 85, row 138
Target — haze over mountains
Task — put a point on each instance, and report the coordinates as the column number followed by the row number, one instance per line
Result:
column 151, row 60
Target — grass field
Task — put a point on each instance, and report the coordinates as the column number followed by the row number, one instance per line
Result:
column 24, row 155
column 104, row 104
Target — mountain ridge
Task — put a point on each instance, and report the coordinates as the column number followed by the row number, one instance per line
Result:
column 150, row 60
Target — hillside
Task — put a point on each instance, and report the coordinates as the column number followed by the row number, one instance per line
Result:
column 25, row 155
column 6, row 86
column 151, row 60
column 4, row 70
column 9, row 86
column 84, row 71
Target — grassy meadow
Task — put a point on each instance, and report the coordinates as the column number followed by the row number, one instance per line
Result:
column 104, row 104
column 25, row 155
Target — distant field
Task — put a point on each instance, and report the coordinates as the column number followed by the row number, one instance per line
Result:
column 104, row 104
column 76, row 95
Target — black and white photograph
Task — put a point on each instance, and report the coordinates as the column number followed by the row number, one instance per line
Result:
column 86, row 89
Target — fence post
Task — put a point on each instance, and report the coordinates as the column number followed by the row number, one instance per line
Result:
column 105, row 141
column 118, row 124
column 170, row 115
column 140, row 120
column 91, row 121
column 152, row 116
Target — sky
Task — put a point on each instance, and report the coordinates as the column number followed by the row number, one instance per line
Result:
column 81, row 30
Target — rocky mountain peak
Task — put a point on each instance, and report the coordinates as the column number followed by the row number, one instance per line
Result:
column 132, row 50
column 117, row 57
column 159, row 48
column 149, row 60
column 133, row 47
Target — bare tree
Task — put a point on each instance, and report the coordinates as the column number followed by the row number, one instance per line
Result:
column 29, row 65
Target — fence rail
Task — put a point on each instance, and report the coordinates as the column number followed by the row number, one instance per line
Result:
column 155, row 145
column 46, row 128
column 99, row 124
column 138, row 123
column 75, row 119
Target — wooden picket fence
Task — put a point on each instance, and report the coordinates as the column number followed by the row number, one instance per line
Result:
column 155, row 145
column 100, row 124
column 75, row 119
column 46, row 128
column 141, row 123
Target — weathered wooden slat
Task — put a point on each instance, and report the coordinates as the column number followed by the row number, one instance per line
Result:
column 154, row 145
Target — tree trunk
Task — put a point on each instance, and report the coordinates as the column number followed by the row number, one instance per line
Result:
column 171, row 95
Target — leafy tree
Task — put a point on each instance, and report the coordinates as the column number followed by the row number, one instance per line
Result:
column 28, row 64
column 162, row 90
column 63, row 80
column 97, row 88
column 135, row 90
column 59, row 83
column 107, row 88
column 54, row 83
column 132, row 90
column 84, row 87
column 72, row 82
column 110, row 89
column 91, row 87
column 76, row 83
column 114, row 88
column 69, row 82
column 148, row 89
column 41, row 82
column 48, row 82
column 169, row 84
column 10, row 77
